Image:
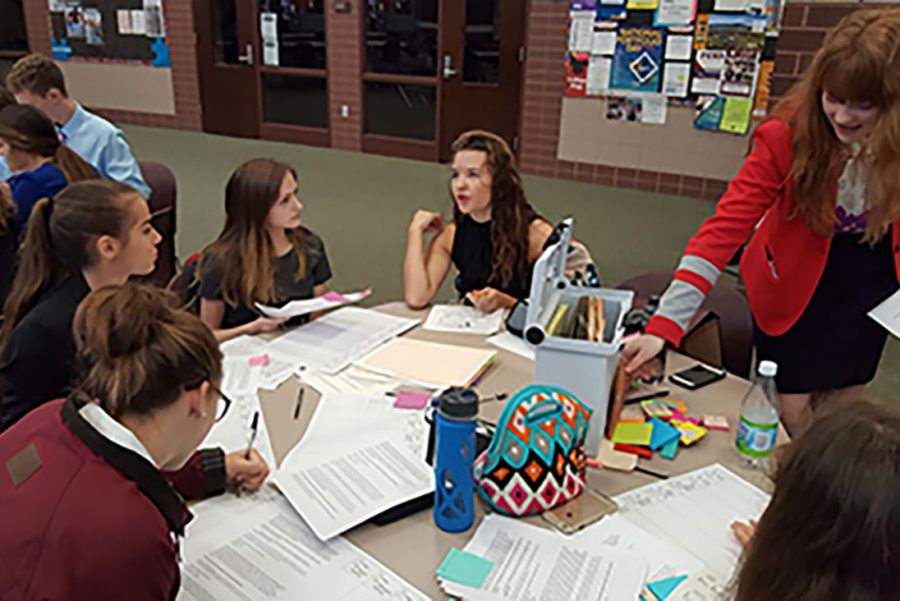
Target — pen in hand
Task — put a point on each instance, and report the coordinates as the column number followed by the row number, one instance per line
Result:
column 254, row 428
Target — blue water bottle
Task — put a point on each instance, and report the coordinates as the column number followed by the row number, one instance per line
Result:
column 454, row 489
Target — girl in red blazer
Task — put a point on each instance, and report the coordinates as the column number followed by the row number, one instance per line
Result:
column 823, row 175
column 93, row 487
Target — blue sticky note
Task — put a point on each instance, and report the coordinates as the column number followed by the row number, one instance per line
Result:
column 662, row 434
column 661, row 589
column 465, row 569
column 669, row 451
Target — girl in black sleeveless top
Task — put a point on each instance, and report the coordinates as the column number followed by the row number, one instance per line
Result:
column 495, row 236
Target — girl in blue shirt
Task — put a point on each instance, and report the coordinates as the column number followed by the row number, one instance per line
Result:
column 42, row 166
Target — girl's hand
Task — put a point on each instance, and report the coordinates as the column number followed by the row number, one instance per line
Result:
column 426, row 221
column 244, row 473
column 490, row 299
column 639, row 351
column 744, row 532
column 264, row 324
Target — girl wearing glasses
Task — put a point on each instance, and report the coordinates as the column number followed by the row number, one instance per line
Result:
column 94, row 233
column 94, row 498
column 263, row 255
column 495, row 236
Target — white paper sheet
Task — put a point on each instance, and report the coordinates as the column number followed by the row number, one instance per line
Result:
column 513, row 344
column 703, row 586
column 349, row 381
column 463, row 320
column 695, row 511
column 268, row 26
column 123, row 21
column 679, row 47
column 655, row 109
column 239, row 376
column 239, row 351
column 336, row 340
column 582, row 30
column 888, row 314
column 731, row 5
column 535, row 563
column 267, row 552
column 599, row 68
column 676, row 77
column 603, row 41
column 138, row 22
column 329, row 300
column 233, row 432
column 359, row 457
column 675, row 12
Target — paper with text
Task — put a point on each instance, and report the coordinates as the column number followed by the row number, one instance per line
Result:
column 330, row 300
column 233, row 432
column 463, row 319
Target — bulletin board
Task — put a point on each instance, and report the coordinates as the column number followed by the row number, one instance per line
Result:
column 640, row 58
column 118, row 31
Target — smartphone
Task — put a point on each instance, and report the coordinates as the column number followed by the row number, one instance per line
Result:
column 580, row 512
column 697, row 377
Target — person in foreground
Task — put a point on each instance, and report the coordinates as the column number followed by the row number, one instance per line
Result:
column 822, row 183
column 263, row 255
column 495, row 236
column 92, row 234
column 89, row 507
column 832, row 529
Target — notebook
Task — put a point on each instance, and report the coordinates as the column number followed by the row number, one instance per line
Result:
column 429, row 364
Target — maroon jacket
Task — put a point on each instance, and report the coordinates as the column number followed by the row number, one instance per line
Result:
column 90, row 519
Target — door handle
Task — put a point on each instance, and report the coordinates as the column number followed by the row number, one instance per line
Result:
column 247, row 59
column 449, row 71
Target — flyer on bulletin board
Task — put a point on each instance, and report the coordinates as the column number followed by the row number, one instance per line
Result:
column 638, row 59
column 576, row 74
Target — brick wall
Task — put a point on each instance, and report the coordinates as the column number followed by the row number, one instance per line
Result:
column 805, row 25
column 345, row 57
column 185, row 81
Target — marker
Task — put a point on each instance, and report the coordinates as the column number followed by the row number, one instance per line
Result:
column 299, row 402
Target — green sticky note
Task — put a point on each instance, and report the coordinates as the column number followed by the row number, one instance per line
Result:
column 633, row 433
column 669, row 450
column 736, row 115
column 465, row 569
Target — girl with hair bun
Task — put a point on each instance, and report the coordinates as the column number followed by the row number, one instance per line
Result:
column 93, row 234
column 93, row 507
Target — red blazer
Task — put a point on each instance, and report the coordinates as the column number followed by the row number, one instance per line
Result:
column 79, row 528
column 784, row 260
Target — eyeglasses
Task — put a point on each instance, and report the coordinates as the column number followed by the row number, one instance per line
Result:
column 222, row 404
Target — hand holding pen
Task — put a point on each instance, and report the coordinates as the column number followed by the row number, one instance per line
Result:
column 247, row 470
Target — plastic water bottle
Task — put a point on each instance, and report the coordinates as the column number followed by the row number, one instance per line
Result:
column 454, row 491
column 758, row 425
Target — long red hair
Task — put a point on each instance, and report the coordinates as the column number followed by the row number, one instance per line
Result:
column 859, row 62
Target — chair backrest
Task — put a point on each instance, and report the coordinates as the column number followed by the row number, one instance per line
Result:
column 735, row 320
column 163, row 200
column 184, row 284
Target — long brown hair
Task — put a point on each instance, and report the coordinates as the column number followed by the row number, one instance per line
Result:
column 859, row 61
column 511, row 215
column 243, row 255
column 832, row 529
column 27, row 129
column 139, row 351
column 58, row 241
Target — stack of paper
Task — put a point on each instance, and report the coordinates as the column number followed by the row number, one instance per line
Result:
column 463, row 319
column 256, row 547
column 359, row 457
column 695, row 511
column 329, row 300
column 233, row 432
column 428, row 364
column 331, row 343
column 513, row 344
column 250, row 364
column 527, row 563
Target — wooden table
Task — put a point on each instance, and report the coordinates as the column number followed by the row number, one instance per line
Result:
column 414, row 547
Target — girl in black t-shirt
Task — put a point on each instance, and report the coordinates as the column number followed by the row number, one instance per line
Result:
column 263, row 255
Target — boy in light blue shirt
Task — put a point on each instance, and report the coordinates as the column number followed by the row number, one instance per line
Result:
column 38, row 81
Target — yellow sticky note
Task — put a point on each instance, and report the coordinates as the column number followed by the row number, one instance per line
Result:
column 642, row 4
column 690, row 433
column 633, row 433
column 736, row 115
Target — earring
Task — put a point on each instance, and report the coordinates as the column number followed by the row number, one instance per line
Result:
column 203, row 415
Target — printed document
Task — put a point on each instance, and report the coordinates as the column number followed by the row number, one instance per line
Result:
column 463, row 319
column 329, row 300
column 233, row 432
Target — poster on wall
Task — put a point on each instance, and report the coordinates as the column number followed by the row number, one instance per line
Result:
column 637, row 61
column 739, row 73
column 268, row 31
column 93, row 26
column 611, row 10
column 733, row 32
column 576, row 74
column 56, row 6
column 74, row 22
column 154, row 20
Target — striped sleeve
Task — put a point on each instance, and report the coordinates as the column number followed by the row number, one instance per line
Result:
column 693, row 280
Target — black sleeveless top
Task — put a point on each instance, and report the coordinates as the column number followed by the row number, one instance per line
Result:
column 472, row 254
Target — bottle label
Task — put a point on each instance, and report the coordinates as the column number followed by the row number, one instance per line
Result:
column 755, row 439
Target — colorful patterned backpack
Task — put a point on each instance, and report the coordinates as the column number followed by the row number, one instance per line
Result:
column 536, row 459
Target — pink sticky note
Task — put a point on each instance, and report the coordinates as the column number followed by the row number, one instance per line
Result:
column 336, row 297
column 408, row 399
column 259, row 361
column 677, row 415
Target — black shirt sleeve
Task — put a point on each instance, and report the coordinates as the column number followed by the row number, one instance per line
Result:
column 210, row 279
column 319, row 268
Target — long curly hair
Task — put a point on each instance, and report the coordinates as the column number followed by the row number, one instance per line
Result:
column 859, row 62
column 511, row 215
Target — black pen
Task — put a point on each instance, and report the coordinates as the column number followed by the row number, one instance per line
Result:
column 254, row 428
column 644, row 470
column 299, row 402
